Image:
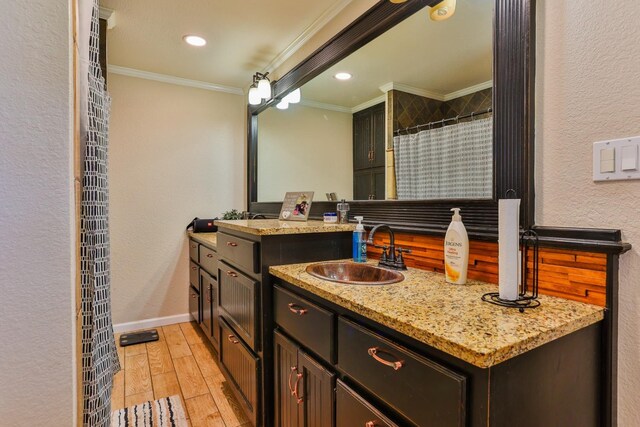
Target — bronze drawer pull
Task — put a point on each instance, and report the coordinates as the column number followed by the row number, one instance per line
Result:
column 193, row 246
column 373, row 352
column 232, row 274
column 209, row 255
column 194, row 296
column 293, row 369
column 370, row 424
column 232, row 339
column 234, row 244
column 299, row 399
column 194, row 268
column 299, row 311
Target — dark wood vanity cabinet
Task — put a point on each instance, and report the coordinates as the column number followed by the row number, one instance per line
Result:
column 203, row 289
column 246, row 320
column 369, row 153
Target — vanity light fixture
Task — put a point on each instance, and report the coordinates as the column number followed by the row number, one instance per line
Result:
column 443, row 10
column 194, row 40
column 254, row 96
column 343, row 76
column 260, row 89
column 283, row 105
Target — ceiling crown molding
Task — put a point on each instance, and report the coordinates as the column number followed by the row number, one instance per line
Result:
column 304, row 37
column 369, row 103
column 109, row 16
column 468, row 90
column 147, row 75
column 412, row 90
column 323, row 106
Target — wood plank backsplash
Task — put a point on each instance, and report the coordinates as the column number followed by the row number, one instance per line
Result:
column 574, row 275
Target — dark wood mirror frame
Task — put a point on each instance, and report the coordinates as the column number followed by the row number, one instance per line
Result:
column 513, row 106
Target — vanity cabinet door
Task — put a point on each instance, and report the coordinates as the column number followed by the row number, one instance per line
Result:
column 285, row 358
column 378, row 129
column 193, row 250
column 239, row 302
column 209, row 287
column 194, row 275
column 194, row 304
column 315, row 397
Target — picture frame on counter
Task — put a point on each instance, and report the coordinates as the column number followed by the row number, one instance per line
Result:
column 296, row 206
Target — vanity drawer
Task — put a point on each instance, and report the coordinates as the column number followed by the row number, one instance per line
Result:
column 311, row 325
column 193, row 250
column 353, row 410
column 402, row 378
column 209, row 260
column 194, row 275
column 243, row 367
column 239, row 302
column 241, row 252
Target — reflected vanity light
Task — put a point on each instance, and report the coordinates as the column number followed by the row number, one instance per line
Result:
column 293, row 97
column 342, row 76
column 282, row 105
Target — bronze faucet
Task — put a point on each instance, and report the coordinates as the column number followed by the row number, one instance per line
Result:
column 389, row 259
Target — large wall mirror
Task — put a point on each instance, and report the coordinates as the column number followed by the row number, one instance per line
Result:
column 436, row 114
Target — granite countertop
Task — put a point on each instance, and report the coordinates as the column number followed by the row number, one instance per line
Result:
column 268, row 227
column 207, row 239
column 452, row 318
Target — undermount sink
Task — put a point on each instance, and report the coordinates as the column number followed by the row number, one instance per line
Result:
column 354, row 274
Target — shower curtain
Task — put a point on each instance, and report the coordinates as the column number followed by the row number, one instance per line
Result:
column 450, row 162
column 99, row 355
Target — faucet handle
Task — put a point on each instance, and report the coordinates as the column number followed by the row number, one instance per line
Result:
column 400, row 258
column 383, row 256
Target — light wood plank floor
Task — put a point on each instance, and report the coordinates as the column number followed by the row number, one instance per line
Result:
column 182, row 362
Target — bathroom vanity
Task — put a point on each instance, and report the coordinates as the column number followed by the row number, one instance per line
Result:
column 426, row 353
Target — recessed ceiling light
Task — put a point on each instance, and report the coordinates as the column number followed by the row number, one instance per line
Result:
column 342, row 76
column 194, row 40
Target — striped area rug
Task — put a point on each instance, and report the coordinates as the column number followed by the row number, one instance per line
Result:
column 165, row 412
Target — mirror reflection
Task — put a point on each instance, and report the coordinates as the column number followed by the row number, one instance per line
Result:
column 409, row 119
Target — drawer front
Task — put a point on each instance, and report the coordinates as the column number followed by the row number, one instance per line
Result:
column 240, row 252
column 243, row 368
column 307, row 323
column 353, row 410
column 402, row 378
column 194, row 275
column 239, row 302
column 193, row 249
column 209, row 260
column 194, row 304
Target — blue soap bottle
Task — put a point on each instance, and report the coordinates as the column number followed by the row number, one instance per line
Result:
column 359, row 242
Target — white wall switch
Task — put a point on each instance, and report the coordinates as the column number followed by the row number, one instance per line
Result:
column 616, row 159
column 630, row 158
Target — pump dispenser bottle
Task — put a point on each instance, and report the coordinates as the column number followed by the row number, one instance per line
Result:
column 456, row 250
column 359, row 242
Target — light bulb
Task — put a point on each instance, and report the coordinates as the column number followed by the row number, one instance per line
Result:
column 194, row 40
column 282, row 105
column 254, row 96
column 293, row 97
column 264, row 88
column 443, row 10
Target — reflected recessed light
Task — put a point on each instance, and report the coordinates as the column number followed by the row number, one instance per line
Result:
column 342, row 76
column 194, row 40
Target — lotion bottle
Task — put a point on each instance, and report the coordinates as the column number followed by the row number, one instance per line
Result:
column 456, row 250
column 359, row 242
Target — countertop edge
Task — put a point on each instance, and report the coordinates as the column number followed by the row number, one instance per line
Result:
column 286, row 227
column 207, row 239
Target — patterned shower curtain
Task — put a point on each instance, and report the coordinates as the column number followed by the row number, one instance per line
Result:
column 450, row 162
column 99, row 355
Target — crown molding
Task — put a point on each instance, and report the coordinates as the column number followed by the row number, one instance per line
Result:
column 164, row 78
column 304, row 37
column 109, row 16
column 468, row 90
column 412, row 90
column 323, row 106
column 369, row 103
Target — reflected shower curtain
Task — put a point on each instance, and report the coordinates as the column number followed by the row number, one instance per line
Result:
column 450, row 162
column 99, row 355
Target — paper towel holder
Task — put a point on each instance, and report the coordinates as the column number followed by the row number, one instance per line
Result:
column 527, row 298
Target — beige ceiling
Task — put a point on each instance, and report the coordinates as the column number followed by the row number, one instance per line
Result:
column 439, row 57
column 243, row 36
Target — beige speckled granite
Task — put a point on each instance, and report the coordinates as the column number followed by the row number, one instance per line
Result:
column 208, row 239
column 452, row 318
column 270, row 227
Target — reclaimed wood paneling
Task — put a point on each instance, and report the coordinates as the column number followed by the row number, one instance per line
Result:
column 574, row 275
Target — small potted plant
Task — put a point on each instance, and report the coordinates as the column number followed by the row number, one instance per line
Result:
column 232, row 214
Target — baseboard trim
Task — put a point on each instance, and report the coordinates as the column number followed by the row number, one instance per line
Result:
column 151, row 323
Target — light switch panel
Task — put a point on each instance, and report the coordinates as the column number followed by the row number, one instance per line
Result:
column 630, row 158
column 617, row 159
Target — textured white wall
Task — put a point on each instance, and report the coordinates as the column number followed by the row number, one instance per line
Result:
column 304, row 149
column 588, row 89
column 175, row 153
column 36, row 216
